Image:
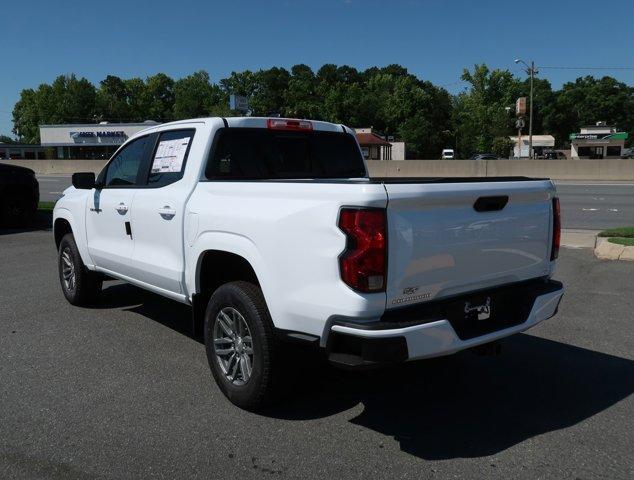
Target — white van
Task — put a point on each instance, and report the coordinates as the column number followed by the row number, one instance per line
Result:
column 447, row 154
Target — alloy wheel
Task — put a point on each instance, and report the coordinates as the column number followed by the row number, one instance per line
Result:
column 233, row 345
column 68, row 270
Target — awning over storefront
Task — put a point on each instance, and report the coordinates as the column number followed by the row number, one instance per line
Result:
column 371, row 139
column 538, row 140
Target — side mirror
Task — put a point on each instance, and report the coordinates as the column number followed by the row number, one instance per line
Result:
column 84, row 180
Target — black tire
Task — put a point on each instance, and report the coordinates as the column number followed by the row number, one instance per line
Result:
column 86, row 285
column 16, row 209
column 261, row 387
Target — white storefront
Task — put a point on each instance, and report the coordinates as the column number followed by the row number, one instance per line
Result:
column 540, row 143
column 88, row 141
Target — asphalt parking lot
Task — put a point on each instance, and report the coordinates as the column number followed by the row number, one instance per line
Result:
column 122, row 390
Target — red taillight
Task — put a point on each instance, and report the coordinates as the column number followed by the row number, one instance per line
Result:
column 554, row 252
column 285, row 124
column 363, row 263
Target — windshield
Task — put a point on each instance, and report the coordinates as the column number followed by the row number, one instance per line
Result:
column 257, row 153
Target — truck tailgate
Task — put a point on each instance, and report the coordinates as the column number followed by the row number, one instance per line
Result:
column 451, row 238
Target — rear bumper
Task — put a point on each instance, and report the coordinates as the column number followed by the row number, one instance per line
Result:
column 360, row 345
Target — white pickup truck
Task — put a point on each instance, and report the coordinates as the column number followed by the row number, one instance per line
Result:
column 272, row 231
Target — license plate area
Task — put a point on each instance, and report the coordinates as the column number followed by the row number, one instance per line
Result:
column 509, row 305
column 479, row 314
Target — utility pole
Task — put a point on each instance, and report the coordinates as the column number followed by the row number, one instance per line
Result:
column 530, row 115
column 531, row 71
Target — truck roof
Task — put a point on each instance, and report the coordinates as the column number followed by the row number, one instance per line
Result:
column 252, row 122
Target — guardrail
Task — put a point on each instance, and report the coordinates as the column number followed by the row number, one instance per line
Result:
column 555, row 169
column 64, row 167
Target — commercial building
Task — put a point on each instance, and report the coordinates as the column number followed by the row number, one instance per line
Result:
column 88, row 141
column 19, row 151
column 375, row 146
column 540, row 143
column 99, row 141
column 597, row 141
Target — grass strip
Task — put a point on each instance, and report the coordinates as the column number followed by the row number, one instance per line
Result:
column 628, row 242
column 623, row 232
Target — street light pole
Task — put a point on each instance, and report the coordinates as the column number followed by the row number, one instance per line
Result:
column 530, row 116
column 532, row 72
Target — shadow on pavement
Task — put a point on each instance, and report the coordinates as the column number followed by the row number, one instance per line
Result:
column 470, row 406
column 453, row 407
column 170, row 313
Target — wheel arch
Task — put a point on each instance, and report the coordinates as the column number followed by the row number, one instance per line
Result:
column 61, row 227
column 64, row 223
column 217, row 258
column 217, row 267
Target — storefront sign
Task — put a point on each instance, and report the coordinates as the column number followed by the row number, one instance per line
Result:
column 599, row 136
column 106, row 137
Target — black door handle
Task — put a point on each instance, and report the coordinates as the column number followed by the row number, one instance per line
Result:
column 490, row 204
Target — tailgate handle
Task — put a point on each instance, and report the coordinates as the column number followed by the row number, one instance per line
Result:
column 490, row 204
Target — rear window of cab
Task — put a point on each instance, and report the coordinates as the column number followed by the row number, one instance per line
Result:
column 259, row 154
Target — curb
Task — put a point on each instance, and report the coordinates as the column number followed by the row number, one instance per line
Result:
column 611, row 251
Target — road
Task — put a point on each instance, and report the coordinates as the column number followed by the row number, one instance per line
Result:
column 52, row 186
column 121, row 390
column 596, row 205
column 585, row 205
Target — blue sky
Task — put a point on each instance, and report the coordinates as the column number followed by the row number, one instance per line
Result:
column 433, row 39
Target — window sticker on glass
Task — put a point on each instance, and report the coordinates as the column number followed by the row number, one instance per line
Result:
column 225, row 164
column 170, row 155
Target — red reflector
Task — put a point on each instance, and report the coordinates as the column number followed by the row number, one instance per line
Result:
column 363, row 263
column 554, row 252
column 284, row 124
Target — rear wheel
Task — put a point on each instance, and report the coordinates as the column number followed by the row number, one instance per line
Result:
column 80, row 286
column 241, row 347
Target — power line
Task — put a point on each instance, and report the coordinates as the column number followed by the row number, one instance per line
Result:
column 561, row 67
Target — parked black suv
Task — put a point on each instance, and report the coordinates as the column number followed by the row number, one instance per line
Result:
column 19, row 195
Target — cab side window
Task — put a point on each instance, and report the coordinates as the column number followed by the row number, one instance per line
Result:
column 124, row 168
column 167, row 163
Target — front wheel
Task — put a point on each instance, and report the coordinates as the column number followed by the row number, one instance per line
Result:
column 80, row 286
column 241, row 347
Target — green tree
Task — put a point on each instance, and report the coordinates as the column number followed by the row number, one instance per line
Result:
column 70, row 100
column 390, row 99
column 66, row 100
column 419, row 113
column 159, row 98
column 26, row 117
column 301, row 100
column 502, row 146
column 112, row 100
column 136, row 99
column 195, row 96
column 588, row 100
column 270, row 90
column 480, row 113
